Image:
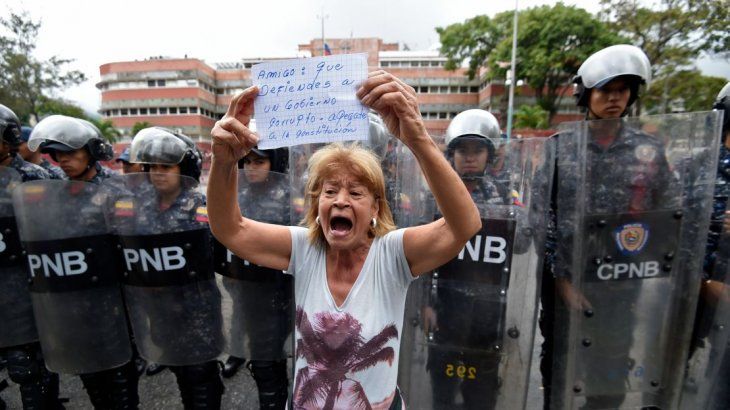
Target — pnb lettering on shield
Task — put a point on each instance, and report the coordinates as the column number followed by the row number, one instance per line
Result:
column 58, row 264
column 160, row 259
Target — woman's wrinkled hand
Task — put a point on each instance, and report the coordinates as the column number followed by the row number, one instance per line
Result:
column 232, row 139
column 397, row 104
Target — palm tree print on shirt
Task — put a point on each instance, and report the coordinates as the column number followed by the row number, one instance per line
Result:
column 334, row 349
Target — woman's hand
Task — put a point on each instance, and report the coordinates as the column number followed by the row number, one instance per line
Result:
column 396, row 103
column 232, row 139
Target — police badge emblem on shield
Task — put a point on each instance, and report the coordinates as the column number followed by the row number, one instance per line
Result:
column 631, row 238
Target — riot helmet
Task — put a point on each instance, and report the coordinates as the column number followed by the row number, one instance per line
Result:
column 9, row 126
column 62, row 133
column 157, row 145
column 476, row 125
column 378, row 135
column 722, row 102
column 626, row 61
column 278, row 157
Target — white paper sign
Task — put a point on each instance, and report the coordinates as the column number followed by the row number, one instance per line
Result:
column 303, row 101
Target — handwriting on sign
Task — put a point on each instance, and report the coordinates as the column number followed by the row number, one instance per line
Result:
column 304, row 101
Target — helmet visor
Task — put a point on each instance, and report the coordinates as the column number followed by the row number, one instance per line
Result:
column 60, row 129
column 157, row 146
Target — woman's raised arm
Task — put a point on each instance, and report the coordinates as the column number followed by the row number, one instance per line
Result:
column 261, row 243
column 427, row 246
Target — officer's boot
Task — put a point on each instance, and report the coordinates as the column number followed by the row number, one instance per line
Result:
column 200, row 385
column 95, row 384
column 122, row 386
column 271, row 381
column 38, row 386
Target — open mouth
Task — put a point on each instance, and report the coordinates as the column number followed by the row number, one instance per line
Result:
column 340, row 225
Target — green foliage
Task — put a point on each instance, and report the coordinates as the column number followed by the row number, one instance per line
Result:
column 674, row 33
column 107, row 129
column 532, row 116
column 697, row 91
column 27, row 82
column 138, row 126
column 552, row 42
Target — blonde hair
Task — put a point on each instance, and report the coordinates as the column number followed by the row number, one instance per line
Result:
column 360, row 162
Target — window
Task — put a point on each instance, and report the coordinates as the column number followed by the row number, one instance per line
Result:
column 173, row 110
column 443, row 89
column 183, row 110
column 473, row 89
column 143, row 111
column 434, row 63
column 163, row 110
column 115, row 112
column 153, row 111
column 125, row 111
column 150, row 83
column 423, row 89
column 160, row 83
column 463, row 89
column 193, row 110
column 132, row 111
column 442, row 115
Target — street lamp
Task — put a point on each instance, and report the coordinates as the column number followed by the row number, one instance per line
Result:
column 511, row 75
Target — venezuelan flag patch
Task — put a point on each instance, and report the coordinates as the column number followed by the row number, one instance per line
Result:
column 123, row 208
column 201, row 214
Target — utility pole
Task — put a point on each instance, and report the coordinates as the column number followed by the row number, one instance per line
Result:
column 512, row 76
column 322, row 17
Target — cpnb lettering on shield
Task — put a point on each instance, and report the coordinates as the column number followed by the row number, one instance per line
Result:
column 494, row 250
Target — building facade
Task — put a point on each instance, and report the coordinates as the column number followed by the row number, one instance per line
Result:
column 189, row 95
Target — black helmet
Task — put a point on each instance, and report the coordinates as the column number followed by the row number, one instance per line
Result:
column 157, row 145
column 62, row 133
column 9, row 126
column 722, row 102
column 473, row 124
column 608, row 64
column 278, row 157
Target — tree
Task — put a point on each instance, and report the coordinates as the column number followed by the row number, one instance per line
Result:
column 552, row 42
column 27, row 82
column 696, row 91
column 107, row 129
column 531, row 116
column 138, row 126
column 672, row 35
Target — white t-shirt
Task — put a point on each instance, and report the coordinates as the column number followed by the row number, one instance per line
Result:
column 349, row 353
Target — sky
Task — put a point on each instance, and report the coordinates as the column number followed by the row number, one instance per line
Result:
column 102, row 31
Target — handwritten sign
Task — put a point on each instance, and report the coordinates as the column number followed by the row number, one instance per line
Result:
column 303, row 101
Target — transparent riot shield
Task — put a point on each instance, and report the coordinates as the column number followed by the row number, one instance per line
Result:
column 708, row 368
column 633, row 206
column 16, row 310
column 257, row 302
column 169, row 285
column 469, row 325
column 75, row 270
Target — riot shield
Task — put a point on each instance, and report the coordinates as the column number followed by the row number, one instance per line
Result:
column 169, row 286
column 469, row 325
column 16, row 310
column 633, row 201
column 708, row 368
column 75, row 271
column 256, row 306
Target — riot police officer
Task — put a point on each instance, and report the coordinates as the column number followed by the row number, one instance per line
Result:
column 461, row 320
column 128, row 167
column 262, row 312
column 175, row 312
column 35, row 157
column 709, row 360
column 25, row 364
column 78, row 154
column 77, row 145
column 612, row 183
